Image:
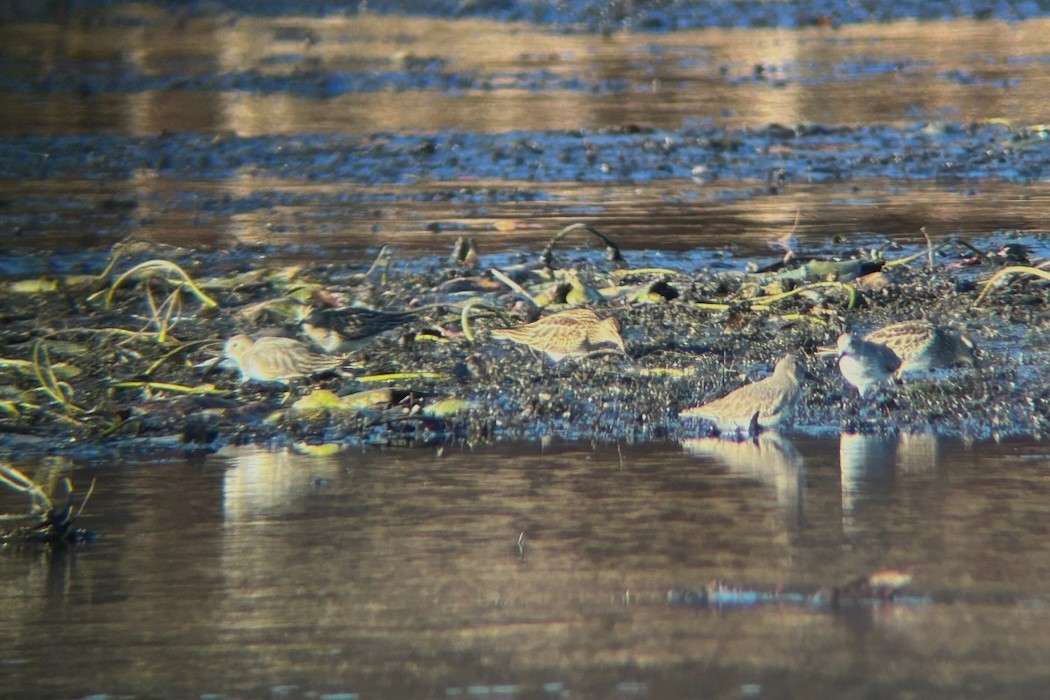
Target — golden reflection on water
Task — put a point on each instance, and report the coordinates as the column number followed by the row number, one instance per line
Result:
column 770, row 458
column 882, row 73
column 262, row 483
column 897, row 73
column 669, row 216
column 399, row 573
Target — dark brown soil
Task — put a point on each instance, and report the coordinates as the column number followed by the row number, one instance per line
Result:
column 682, row 351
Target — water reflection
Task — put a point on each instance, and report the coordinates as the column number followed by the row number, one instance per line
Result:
column 769, row 458
column 398, row 573
column 153, row 74
column 870, row 466
column 262, row 483
column 51, row 474
column 371, row 73
column 867, row 464
column 654, row 217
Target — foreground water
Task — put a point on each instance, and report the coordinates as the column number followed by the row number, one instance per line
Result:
column 532, row 571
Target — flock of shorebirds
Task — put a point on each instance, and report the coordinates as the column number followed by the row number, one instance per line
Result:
column 865, row 362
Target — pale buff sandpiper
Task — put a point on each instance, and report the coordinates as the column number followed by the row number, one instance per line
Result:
column 572, row 333
column 767, row 403
column 274, row 359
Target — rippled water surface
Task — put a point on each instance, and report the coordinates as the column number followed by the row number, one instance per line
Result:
column 370, row 73
column 530, row 572
column 118, row 100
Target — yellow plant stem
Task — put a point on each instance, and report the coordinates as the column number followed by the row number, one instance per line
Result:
column 200, row 389
column 400, row 376
column 1006, row 272
column 166, row 266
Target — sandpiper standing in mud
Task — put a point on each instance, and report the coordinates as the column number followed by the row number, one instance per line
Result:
column 922, row 345
column 275, row 359
column 767, row 403
column 864, row 364
column 572, row 333
column 342, row 330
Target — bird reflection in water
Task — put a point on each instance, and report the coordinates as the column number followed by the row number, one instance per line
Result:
column 769, row 458
column 262, row 483
column 869, row 465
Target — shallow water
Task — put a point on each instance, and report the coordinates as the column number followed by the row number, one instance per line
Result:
column 656, row 222
column 332, row 133
column 147, row 73
column 399, row 573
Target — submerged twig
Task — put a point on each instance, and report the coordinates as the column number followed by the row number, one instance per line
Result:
column 383, row 258
column 628, row 271
column 171, row 353
column 929, row 248
column 851, row 293
column 515, row 287
column 87, row 497
column 398, row 376
column 464, row 316
column 162, row 315
column 200, row 389
column 18, row 481
column 52, row 526
column 61, row 369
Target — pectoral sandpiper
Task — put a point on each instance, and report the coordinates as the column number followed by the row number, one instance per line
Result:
column 922, row 345
column 572, row 333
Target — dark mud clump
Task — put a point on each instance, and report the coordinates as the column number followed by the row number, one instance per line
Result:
column 125, row 360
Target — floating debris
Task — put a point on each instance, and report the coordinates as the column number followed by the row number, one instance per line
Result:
column 881, row 587
column 50, row 523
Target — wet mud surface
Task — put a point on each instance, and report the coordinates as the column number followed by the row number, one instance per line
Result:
column 777, row 155
column 82, row 375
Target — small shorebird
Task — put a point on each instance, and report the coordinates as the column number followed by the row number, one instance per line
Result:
column 864, row 364
column 922, row 345
column 342, row 330
column 572, row 333
column 766, row 403
column 273, row 359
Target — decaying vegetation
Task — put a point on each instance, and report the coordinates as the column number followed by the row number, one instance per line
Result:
column 131, row 357
column 51, row 519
